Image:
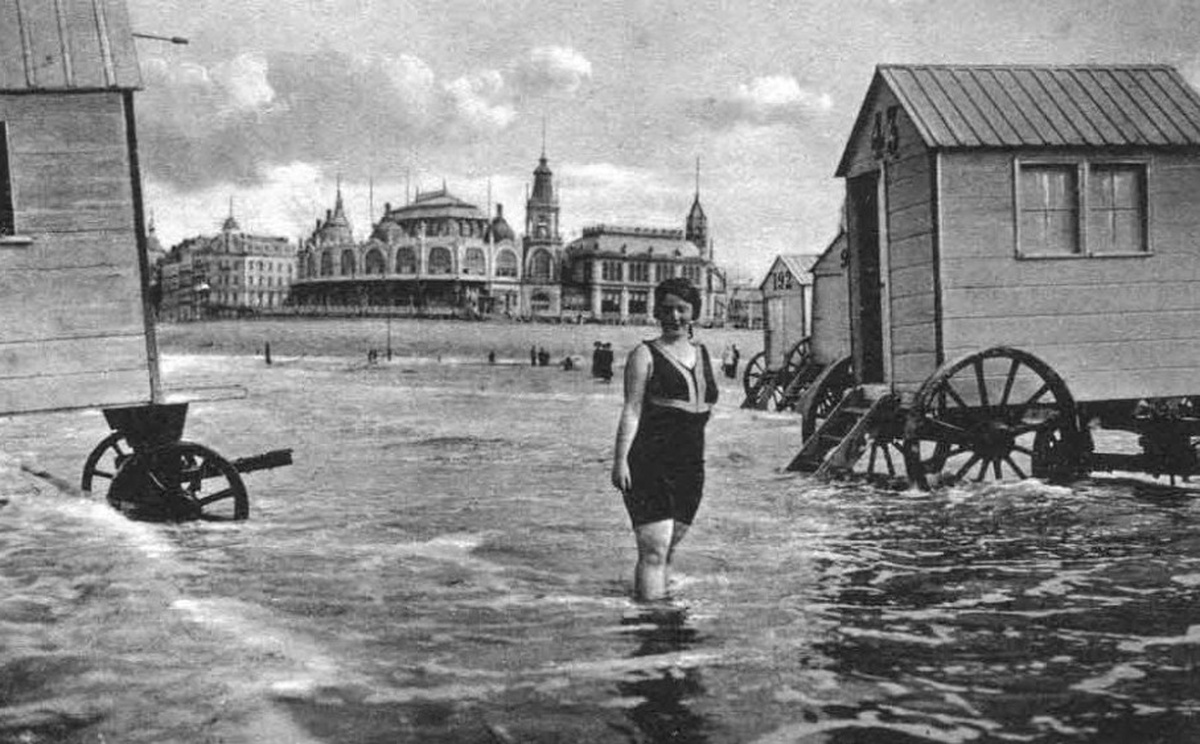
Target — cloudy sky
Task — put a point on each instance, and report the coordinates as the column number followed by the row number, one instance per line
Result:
column 273, row 100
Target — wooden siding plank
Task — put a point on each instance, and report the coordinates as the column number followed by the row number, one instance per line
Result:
column 1049, row 330
column 906, row 223
column 69, row 303
column 113, row 22
column 910, row 252
column 65, row 123
column 914, row 310
column 92, row 250
column 110, row 389
column 909, row 371
column 995, row 302
column 965, row 272
column 83, row 45
column 45, row 359
column 45, row 44
column 909, row 282
column 12, row 57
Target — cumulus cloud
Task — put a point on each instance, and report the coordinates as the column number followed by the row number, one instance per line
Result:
column 551, row 69
column 233, row 120
column 772, row 99
column 244, row 80
column 480, row 100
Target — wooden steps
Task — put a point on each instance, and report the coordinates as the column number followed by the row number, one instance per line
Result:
column 841, row 439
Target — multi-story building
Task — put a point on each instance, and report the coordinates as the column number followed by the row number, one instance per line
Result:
column 436, row 255
column 612, row 270
column 229, row 274
column 439, row 255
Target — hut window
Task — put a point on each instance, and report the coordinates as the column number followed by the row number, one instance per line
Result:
column 1116, row 208
column 8, row 224
column 1049, row 210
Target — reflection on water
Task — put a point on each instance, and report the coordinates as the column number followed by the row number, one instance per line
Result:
column 444, row 563
column 664, row 712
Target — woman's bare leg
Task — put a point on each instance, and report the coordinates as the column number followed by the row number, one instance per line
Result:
column 654, row 543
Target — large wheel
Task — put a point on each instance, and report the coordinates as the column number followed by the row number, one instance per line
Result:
column 179, row 481
column 991, row 415
column 104, row 461
column 755, row 374
column 824, row 395
column 797, row 373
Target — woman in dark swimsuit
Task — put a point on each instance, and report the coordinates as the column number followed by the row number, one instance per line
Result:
column 658, row 460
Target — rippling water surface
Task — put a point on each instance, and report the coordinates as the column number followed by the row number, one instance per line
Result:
column 445, row 563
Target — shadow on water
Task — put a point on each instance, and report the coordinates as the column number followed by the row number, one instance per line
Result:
column 665, row 715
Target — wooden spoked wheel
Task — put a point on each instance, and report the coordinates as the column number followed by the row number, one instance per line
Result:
column 105, row 460
column 826, row 392
column 883, row 456
column 991, row 415
column 798, row 372
column 179, row 481
column 755, row 374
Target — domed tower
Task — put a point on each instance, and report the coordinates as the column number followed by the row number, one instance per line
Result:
column 696, row 230
column 499, row 228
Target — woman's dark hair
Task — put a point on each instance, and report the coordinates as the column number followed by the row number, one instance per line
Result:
column 681, row 288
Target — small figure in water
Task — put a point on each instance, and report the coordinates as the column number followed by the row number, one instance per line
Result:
column 658, row 458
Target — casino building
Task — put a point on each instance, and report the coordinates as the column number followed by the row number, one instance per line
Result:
column 443, row 257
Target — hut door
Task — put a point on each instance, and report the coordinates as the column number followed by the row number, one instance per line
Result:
column 865, row 285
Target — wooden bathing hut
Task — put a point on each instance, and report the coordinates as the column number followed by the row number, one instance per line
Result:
column 1021, row 242
column 77, row 330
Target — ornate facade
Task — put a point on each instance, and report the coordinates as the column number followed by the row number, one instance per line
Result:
column 441, row 256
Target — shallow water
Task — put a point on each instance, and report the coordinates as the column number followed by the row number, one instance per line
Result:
column 444, row 563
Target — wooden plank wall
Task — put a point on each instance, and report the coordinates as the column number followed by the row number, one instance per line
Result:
column 830, row 317
column 1113, row 327
column 71, row 325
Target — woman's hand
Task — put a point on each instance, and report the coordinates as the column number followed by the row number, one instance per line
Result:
column 620, row 475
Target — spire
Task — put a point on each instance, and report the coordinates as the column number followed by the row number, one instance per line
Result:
column 696, row 228
column 231, row 224
column 543, row 136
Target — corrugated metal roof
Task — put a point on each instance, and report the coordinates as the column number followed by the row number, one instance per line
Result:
column 1047, row 106
column 66, row 45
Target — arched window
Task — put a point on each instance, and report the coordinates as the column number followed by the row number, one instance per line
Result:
column 406, row 261
column 440, row 261
column 475, row 262
column 348, row 267
column 539, row 268
column 506, row 263
column 310, row 265
column 374, row 263
column 326, row 263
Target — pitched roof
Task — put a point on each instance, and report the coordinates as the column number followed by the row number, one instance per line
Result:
column 66, row 45
column 959, row 106
column 798, row 265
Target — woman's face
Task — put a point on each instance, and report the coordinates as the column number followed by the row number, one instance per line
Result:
column 674, row 313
